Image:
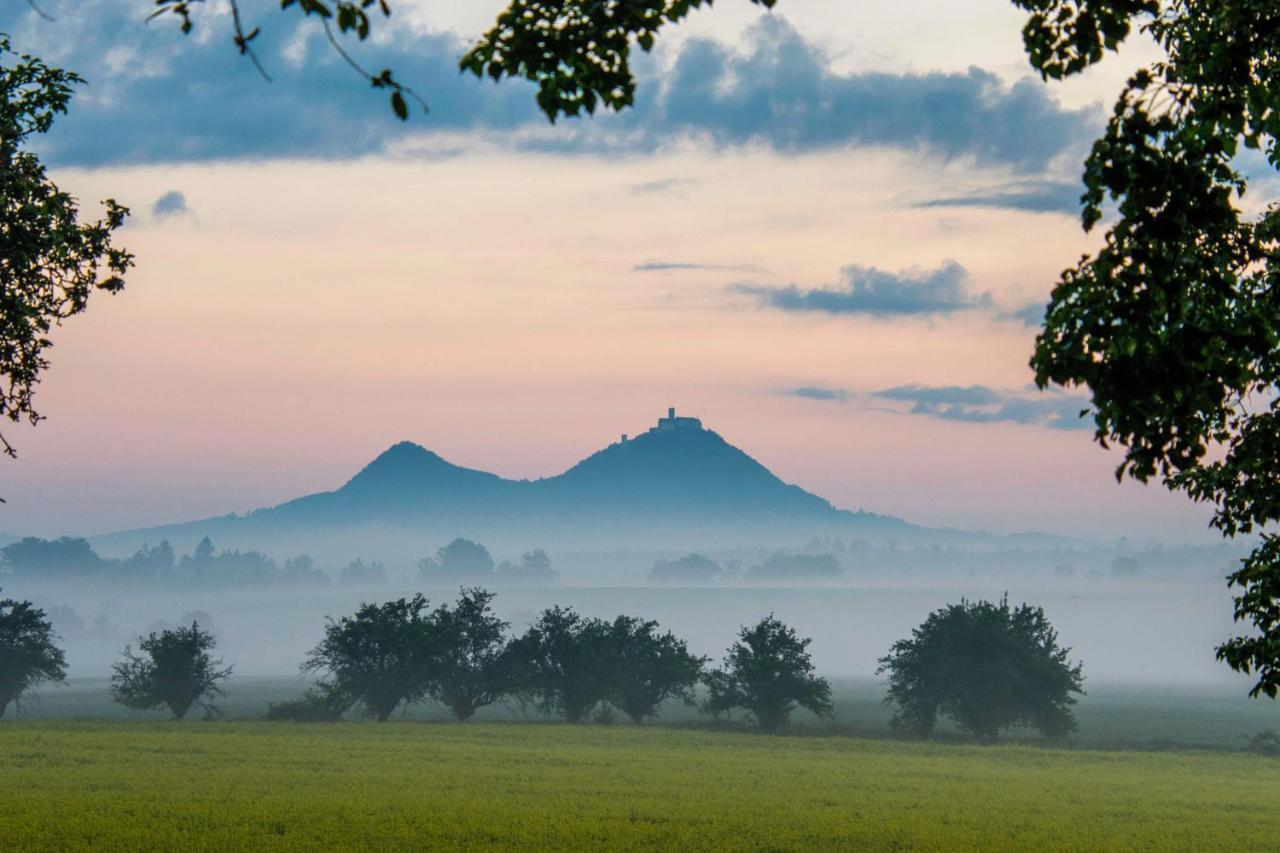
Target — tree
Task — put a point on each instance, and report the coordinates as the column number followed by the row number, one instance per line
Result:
column 175, row 670
column 769, row 673
column 691, row 568
column 534, row 569
column 471, row 664
column 29, row 653
column 42, row 558
column 50, row 261
column 380, row 656
column 461, row 559
column 649, row 668
column 565, row 663
column 319, row 704
column 987, row 667
column 360, row 572
column 1173, row 324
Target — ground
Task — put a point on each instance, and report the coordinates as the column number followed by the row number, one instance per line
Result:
column 407, row 784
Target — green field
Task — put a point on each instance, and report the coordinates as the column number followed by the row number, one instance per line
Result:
column 234, row 786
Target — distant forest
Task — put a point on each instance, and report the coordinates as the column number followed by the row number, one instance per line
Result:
column 463, row 562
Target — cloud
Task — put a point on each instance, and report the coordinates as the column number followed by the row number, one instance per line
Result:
column 1031, row 314
column 1034, row 197
column 812, row 393
column 157, row 96
column 868, row 290
column 667, row 266
column 172, row 203
column 663, row 185
column 981, row 404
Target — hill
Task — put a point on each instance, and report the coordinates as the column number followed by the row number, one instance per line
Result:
column 678, row 478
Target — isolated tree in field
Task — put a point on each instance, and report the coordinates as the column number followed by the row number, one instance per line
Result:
column 29, row 653
column 649, row 668
column 175, row 670
column 566, row 663
column 987, row 667
column 471, row 664
column 768, row 672
column 379, row 657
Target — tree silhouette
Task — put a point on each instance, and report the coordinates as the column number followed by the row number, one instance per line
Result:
column 50, row 261
column 379, row 657
column 769, row 673
column 175, row 670
column 471, row 665
column 29, row 653
column 1173, row 323
column 988, row 667
column 649, row 668
column 566, row 663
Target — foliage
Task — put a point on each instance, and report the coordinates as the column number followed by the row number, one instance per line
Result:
column 769, row 673
column 461, row 559
column 50, row 261
column 175, row 670
column 29, row 653
column 1172, row 324
column 1265, row 743
column 32, row 557
column 565, row 663
column 471, row 665
column 320, row 704
column 534, row 570
column 782, row 566
column 649, row 668
column 988, row 667
column 578, row 52
column 379, row 656
column 156, row 565
column 690, row 568
column 358, row 572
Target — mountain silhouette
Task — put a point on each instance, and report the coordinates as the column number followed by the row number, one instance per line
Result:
column 677, row 476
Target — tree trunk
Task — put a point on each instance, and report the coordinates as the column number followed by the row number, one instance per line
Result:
column 4, row 704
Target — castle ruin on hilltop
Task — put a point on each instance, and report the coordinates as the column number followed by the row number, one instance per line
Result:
column 670, row 423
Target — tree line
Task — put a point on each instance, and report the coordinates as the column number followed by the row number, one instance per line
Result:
column 461, row 561
column 987, row 666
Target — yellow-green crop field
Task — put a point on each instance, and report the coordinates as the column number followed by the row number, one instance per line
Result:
column 262, row 786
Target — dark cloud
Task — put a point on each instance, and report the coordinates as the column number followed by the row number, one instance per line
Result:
column 172, row 203
column 980, row 404
column 783, row 92
column 157, row 96
column 1035, row 197
column 812, row 393
column 868, row 290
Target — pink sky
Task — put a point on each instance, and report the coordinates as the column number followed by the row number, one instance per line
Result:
column 302, row 316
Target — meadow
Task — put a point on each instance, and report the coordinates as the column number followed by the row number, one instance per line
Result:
column 251, row 785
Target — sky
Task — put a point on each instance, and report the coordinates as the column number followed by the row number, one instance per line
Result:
column 828, row 230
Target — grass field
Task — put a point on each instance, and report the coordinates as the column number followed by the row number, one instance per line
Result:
column 234, row 786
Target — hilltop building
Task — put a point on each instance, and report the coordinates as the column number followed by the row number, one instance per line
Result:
column 671, row 422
